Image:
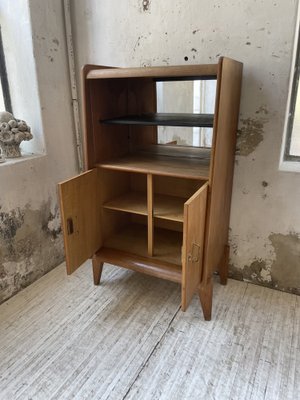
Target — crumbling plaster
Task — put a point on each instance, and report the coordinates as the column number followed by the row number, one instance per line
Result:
column 265, row 222
column 30, row 235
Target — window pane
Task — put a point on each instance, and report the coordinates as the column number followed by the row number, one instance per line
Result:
column 2, row 106
column 295, row 135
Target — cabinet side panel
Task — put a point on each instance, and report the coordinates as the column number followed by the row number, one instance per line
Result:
column 193, row 244
column 88, row 142
column 80, row 213
column 223, row 162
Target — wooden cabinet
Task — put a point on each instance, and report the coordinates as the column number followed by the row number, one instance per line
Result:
column 158, row 209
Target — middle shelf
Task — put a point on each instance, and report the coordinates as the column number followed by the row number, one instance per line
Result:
column 190, row 168
column 164, row 119
column 164, row 206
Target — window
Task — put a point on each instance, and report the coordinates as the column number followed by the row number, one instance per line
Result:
column 290, row 154
column 5, row 102
column 292, row 144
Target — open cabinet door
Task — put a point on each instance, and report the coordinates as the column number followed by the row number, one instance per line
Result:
column 80, row 214
column 193, row 244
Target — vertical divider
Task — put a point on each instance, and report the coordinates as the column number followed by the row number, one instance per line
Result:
column 150, row 213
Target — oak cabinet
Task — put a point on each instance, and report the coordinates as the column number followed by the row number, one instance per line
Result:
column 160, row 209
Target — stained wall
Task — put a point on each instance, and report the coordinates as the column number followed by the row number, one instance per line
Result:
column 265, row 217
column 30, row 233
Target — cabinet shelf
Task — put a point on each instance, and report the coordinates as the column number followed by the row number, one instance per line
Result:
column 143, row 264
column 133, row 239
column 163, row 119
column 168, row 207
column 203, row 71
column 132, row 202
column 157, row 164
column 165, row 207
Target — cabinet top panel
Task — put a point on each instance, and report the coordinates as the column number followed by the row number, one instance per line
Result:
column 204, row 71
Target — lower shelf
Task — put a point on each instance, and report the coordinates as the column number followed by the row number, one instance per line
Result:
column 133, row 239
column 146, row 265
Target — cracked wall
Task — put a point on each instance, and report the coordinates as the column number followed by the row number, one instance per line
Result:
column 265, row 222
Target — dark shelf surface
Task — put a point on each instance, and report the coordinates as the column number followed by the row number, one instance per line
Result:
column 162, row 119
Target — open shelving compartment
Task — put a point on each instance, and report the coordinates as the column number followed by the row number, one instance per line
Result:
column 160, row 209
column 144, row 213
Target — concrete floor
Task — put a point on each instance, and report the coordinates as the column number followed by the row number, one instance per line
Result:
column 64, row 338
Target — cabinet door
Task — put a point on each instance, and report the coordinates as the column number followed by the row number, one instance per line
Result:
column 80, row 214
column 193, row 244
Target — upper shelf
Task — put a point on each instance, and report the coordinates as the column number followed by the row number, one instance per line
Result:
column 204, row 71
column 163, row 119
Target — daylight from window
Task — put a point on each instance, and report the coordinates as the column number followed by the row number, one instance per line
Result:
column 2, row 106
column 295, row 134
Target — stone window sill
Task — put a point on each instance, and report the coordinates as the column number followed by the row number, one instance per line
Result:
column 290, row 166
column 25, row 157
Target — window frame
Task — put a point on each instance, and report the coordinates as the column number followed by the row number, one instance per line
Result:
column 292, row 104
column 289, row 162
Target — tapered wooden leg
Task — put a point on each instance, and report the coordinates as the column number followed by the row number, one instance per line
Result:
column 223, row 268
column 97, row 270
column 205, row 295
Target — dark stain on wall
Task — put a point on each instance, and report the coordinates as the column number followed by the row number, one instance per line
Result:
column 284, row 272
column 250, row 272
column 251, row 133
column 146, row 5
column 30, row 246
column 285, row 269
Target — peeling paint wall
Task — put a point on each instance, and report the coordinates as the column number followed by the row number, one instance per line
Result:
column 30, row 246
column 30, row 235
column 265, row 221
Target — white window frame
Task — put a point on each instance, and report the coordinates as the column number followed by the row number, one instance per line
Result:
column 290, row 162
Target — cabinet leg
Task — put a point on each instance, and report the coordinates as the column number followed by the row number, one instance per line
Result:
column 223, row 268
column 97, row 270
column 205, row 295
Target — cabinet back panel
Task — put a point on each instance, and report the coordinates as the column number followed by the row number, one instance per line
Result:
column 108, row 99
column 112, row 184
column 141, row 99
column 138, row 182
column 112, row 222
column 175, row 186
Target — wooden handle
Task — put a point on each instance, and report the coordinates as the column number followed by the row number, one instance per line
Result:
column 70, row 226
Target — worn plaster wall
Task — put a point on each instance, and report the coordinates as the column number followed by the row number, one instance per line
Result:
column 265, row 222
column 265, row 218
column 30, row 234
